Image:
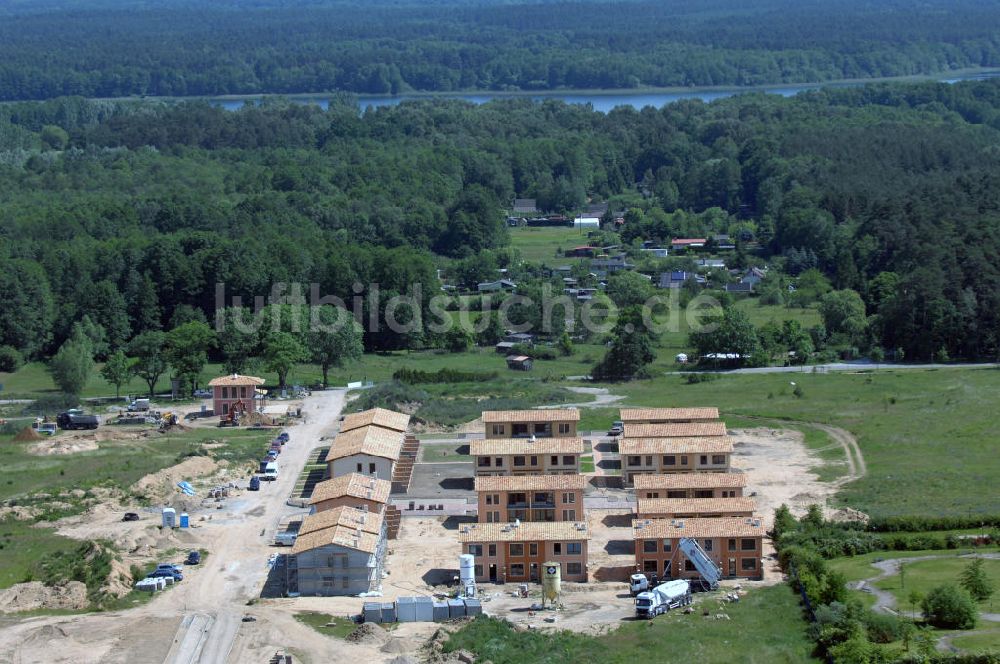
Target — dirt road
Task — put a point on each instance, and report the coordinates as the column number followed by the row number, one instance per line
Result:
column 200, row 619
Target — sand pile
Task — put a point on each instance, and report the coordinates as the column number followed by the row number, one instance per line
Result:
column 162, row 483
column 367, row 634
column 35, row 595
column 26, row 435
column 394, row 646
column 60, row 446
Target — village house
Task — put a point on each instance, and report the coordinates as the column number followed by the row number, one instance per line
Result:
column 515, row 552
column 687, row 243
column 523, row 456
column 351, row 490
column 668, row 415
column 519, row 362
column 690, row 485
column 505, row 499
column 545, row 423
column 337, row 552
column 678, row 278
column 236, row 393
column 673, row 455
column 369, row 450
column 691, row 508
column 523, row 206
column 735, row 545
column 495, row 286
column 673, row 429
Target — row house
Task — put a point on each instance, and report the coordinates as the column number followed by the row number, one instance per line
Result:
column 520, row 456
column 694, row 508
column 735, row 545
column 369, row 450
column 511, row 498
column 668, row 415
column 515, row 552
column 690, row 485
column 674, row 430
column 337, row 552
column 545, row 423
column 380, row 417
column 354, row 490
column 673, row 455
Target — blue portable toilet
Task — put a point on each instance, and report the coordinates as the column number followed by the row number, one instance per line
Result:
column 185, row 520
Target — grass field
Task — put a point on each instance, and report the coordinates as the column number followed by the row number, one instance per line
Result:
column 765, row 628
column 444, row 452
column 924, row 575
column 540, row 244
column 326, row 624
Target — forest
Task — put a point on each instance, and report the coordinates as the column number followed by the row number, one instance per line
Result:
column 112, row 49
column 131, row 213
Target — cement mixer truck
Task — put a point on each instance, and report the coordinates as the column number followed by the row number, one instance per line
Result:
column 662, row 598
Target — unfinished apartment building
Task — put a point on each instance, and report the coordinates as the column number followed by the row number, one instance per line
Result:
column 337, row 552
column 526, row 456
column 657, row 456
column 527, row 498
column 668, row 415
column 690, row 485
column 735, row 545
column 688, row 508
column 549, row 423
column 352, row 490
column 514, row 552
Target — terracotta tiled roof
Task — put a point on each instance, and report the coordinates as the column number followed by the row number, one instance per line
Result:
column 531, row 483
column 674, row 528
column 674, row 430
column 235, row 379
column 370, row 440
column 348, row 517
column 731, row 506
column 353, row 485
column 706, row 445
column 532, row 531
column 349, row 538
column 502, row 446
column 540, row 415
column 690, row 481
column 387, row 419
column 668, row 414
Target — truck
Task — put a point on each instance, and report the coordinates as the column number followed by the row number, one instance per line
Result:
column 638, row 583
column 75, row 419
column 285, row 538
column 138, row 405
column 662, row 598
column 270, row 472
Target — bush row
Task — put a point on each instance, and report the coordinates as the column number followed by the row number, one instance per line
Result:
column 416, row 376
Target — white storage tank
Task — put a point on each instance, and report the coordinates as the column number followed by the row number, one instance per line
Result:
column 551, row 581
column 467, row 573
column 169, row 517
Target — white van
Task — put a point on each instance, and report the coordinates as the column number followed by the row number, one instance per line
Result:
column 270, row 471
column 285, row 538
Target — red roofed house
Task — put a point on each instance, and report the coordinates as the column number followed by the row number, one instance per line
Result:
column 234, row 393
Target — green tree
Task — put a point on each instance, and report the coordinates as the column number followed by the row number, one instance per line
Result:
column 149, row 353
column 334, row 339
column 94, row 333
column 187, row 349
column 843, row 313
column 975, row 580
column 72, row 364
column 238, row 338
column 784, row 522
column 117, row 370
column 729, row 333
column 10, row 359
column 565, row 344
column 631, row 349
column 628, row 289
column 281, row 352
column 27, row 312
column 492, row 332
column 950, row 607
column 54, row 138
column 877, row 355
column 457, row 340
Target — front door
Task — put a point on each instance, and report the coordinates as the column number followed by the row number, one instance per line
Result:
column 493, row 573
column 533, row 572
column 732, row 567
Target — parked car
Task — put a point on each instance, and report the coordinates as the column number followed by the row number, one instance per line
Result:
column 616, row 428
column 165, row 573
column 169, row 566
column 193, row 558
column 203, row 394
column 254, row 484
column 283, row 437
column 130, row 516
column 272, row 455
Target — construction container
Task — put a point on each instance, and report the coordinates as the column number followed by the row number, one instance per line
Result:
column 440, row 611
column 185, row 520
column 425, row 608
column 473, row 607
column 169, row 517
column 456, row 608
column 406, row 609
column 388, row 613
column 371, row 612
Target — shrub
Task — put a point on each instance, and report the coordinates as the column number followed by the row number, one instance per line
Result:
column 416, row 376
column 694, row 378
column 10, row 359
column 884, row 628
column 950, row 607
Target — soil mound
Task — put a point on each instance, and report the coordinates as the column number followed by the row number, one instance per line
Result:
column 60, row 446
column 36, row 595
column 26, row 435
column 367, row 634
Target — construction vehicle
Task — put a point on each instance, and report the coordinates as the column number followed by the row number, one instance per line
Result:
column 75, row 419
column 138, row 405
column 662, row 598
column 640, row 583
column 709, row 571
column 168, row 420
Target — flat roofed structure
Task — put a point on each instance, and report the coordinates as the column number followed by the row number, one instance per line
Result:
column 381, row 417
column 674, row 430
column 665, row 415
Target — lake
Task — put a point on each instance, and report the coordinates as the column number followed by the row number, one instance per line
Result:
column 601, row 101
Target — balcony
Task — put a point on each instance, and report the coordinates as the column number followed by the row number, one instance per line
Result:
column 541, row 505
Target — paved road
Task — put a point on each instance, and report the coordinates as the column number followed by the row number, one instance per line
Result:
column 847, row 366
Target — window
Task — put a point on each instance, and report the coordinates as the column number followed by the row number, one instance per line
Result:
column 689, row 566
column 497, row 429
column 557, row 548
column 371, row 468
column 704, row 460
column 635, row 461
column 225, row 393
column 684, row 460
column 748, row 564
column 516, row 549
column 574, row 548
column 569, row 460
column 670, row 460
column 649, row 566
column 478, row 571
column 708, row 545
column 492, row 551
column 718, row 459
column 225, row 408
column 519, row 461
column 703, row 493
column 649, row 546
column 359, row 467
column 489, row 517
column 499, row 462
column 732, row 544
column 649, row 461
column 533, row 549
column 554, row 461
column 569, row 515
column 542, row 428
column 517, row 570
column 564, row 427
column 541, row 498
column 569, row 498
column 489, row 499
column 343, row 582
column 748, row 544
column 476, row 549
column 483, row 462
column 574, row 568
column 667, row 546
column 243, row 393
column 534, row 461
column 518, row 430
